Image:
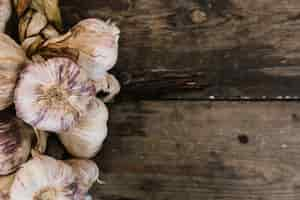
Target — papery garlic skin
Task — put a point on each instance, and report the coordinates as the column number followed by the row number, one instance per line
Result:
column 5, row 13
column 85, row 139
column 53, row 95
column 45, row 178
column 12, row 60
column 108, row 84
column 5, row 185
column 15, row 143
column 87, row 173
column 93, row 43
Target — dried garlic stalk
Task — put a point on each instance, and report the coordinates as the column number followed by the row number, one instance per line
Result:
column 53, row 95
column 39, row 20
column 86, row 137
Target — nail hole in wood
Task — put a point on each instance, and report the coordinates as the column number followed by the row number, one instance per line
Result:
column 243, row 139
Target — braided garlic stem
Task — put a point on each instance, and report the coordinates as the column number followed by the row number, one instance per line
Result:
column 39, row 20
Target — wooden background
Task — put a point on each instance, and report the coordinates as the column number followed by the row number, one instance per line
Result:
column 166, row 140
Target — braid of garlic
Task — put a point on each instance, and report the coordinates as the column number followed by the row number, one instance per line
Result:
column 39, row 20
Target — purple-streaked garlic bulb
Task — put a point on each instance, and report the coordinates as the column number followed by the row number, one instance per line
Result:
column 12, row 60
column 45, row 178
column 85, row 139
column 5, row 13
column 86, row 173
column 53, row 95
column 92, row 43
column 15, row 143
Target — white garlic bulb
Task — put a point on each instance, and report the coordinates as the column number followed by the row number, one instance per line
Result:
column 86, row 137
column 5, row 184
column 53, row 95
column 12, row 59
column 45, row 178
column 87, row 173
column 15, row 143
column 5, row 13
column 92, row 43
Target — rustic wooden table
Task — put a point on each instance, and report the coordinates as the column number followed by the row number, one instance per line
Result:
column 166, row 139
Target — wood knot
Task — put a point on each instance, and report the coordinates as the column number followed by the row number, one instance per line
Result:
column 198, row 17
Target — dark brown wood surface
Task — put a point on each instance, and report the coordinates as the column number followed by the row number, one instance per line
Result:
column 201, row 48
column 201, row 150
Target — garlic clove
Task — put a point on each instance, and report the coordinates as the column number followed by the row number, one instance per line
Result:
column 12, row 59
column 87, row 173
column 44, row 178
column 15, row 143
column 85, row 139
column 5, row 13
column 94, row 41
column 37, row 22
column 108, row 84
column 53, row 95
column 5, row 185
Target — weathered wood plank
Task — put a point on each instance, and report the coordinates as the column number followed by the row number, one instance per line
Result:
column 201, row 150
column 221, row 48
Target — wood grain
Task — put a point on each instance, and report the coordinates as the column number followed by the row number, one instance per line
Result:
column 200, row 48
column 201, row 150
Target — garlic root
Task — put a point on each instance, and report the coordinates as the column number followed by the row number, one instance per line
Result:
column 85, row 139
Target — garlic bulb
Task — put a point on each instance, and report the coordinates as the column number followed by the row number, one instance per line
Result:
column 92, row 43
column 15, row 143
column 45, row 178
column 5, row 184
column 86, row 137
column 5, row 12
column 87, row 173
column 12, row 59
column 53, row 95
